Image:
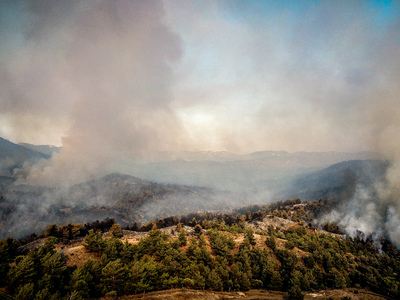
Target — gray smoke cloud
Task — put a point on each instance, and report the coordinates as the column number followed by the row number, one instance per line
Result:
column 374, row 208
column 108, row 63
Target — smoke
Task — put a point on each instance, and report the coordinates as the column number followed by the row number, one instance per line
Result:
column 108, row 63
column 374, row 208
column 112, row 76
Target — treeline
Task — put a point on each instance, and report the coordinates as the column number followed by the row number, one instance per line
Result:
column 295, row 209
column 292, row 209
column 206, row 260
column 63, row 233
column 285, row 209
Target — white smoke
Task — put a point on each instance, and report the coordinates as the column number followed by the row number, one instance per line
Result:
column 109, row 64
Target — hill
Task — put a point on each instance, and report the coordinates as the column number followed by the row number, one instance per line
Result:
column 48, row 150
column 337, row 181
column 128, row 199
column 218, row 258
column 14, row 156
column 248, row 173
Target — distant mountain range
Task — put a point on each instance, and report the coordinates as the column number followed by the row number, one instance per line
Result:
column 129, row 199
column 278, row 158
column 215, row 169
column 248, row 173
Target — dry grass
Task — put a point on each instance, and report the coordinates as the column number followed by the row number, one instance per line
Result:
column 185, row 294
column 77, row 256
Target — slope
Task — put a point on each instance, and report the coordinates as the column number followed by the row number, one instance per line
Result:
column 48, row 150
column 337, row 181
column 128, row 199
column 14, row 156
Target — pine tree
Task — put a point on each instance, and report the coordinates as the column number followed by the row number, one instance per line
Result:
column 52, row 230
column 26, row 292
column 271, row 243
column 94, row 242
column 23, row 272
column 214, row 281
column 114, row 276
column 245, row 282
column 249, row 234
column 116, row 230
column 182, row 237
column 295, row 293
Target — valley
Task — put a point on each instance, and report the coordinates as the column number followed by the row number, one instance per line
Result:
column 201, row 241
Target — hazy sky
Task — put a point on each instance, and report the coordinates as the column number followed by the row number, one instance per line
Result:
column 136, row 76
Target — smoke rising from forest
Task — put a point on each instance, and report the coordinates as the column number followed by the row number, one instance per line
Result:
column 122, row 80
column 112, row 71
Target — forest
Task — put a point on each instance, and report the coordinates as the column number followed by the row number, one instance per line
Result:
column 218, row 253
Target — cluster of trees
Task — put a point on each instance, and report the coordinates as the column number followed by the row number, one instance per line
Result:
column 64, row 234
column 292, row 209
column 234, row 221
column 208, row 259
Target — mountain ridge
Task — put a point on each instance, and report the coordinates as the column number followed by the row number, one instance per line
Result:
column 14, row 156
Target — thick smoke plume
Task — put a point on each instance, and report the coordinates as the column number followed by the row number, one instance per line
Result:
column 374, row 209
column 109, row 64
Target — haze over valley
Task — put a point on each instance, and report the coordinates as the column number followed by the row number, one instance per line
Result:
column 181, row 183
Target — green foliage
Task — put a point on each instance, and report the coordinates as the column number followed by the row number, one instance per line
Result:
column 94, row 242
column 295, row 293
column 214, row 281
column 221, row 244
column 182, row 237
column 249, row 235
column 159, row 262
column 26, row 292
column 116, row 231
column 271, row 243
column 114, row 276
column 23, row 272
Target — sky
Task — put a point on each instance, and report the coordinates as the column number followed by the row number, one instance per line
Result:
column 132, row 77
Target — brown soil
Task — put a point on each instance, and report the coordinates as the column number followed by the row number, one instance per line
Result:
column 355, row 294
column 77, row 256
column 184, row 294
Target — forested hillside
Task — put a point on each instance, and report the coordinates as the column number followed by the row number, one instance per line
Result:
column 267, row 249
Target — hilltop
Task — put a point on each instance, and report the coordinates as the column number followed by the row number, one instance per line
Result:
column 259, row 255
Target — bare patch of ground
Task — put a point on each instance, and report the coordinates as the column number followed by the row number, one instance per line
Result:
column 182, row 294
column 355, row 294
column 185, row 294
column 23, row 250
column 77, row 256
column 280, row 223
